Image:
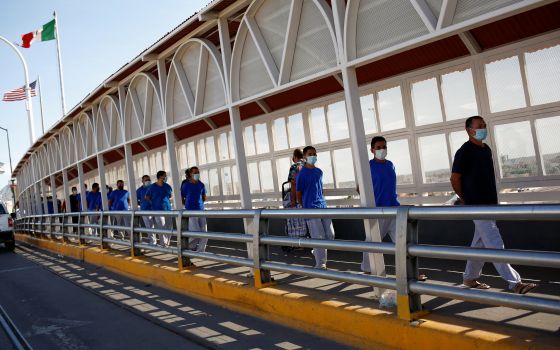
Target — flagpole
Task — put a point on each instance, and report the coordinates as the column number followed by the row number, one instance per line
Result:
column 60, row 75
column 41, row 103
column 28, row 102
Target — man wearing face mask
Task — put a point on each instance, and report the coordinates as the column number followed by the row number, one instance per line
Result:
column 309, row 192
column 158, row 195
column 143, row 203
column 119, row 200
column 474, row 182
column 193, row 193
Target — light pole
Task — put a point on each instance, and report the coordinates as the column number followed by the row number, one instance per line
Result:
column 11, row 169
column 28, row 104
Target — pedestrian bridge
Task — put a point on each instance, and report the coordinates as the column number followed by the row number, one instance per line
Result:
column 248, row 271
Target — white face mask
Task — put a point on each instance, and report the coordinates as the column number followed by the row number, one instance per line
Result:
column 380, row 154
column 196, row 177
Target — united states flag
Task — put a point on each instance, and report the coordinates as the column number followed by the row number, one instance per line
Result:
column 19, row 93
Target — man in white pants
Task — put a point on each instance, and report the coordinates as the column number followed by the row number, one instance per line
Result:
column 158, row 195
column 309, row 193
column 146, row 205
column 193, row 193
column 474, row 182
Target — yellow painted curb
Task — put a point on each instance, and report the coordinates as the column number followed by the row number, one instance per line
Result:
column 355, row 325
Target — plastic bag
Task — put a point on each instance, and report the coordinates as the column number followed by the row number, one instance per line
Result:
column 388, row 299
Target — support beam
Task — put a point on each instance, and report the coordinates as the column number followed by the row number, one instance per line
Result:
column 263, row 50
column 210, row 123
column 290, row 41
column 149, row 57
column 102, row 181
column 338, row 78
column 44, row 196
column 447, row 13
column 470, row 42
column 144, row 146
column 225, row 45
column 83, row 190
column 374, row 262
column 207, row 16
column 53, row 193
column 111, row 84
column 170, row 139
column 65, row 186
column 264, row 106
column 242, row 171
column 129, row 166
column 162, row 79
column 425, row 13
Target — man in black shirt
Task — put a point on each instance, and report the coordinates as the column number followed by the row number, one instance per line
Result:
column 474, row 181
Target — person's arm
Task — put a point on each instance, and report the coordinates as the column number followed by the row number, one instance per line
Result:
column 204, row 193
column 456, row 172
column 456, row 184
column 110, row 201
column 300, row 185
column 293, row 195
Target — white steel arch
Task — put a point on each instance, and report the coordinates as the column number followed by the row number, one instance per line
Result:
column 196, row 83
column 109, row 126
column 143, row 111
column 68, row 148
column 84, row 137
column 282, row 41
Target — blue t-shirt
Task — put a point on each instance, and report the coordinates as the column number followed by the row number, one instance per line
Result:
column 192, row 194
column 159, row 196
column 384, row 180
column 94, row 201
column 119, row 199
column 140, row 193
column 310, row 182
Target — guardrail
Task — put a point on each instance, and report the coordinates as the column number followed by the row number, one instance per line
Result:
column 99, row 227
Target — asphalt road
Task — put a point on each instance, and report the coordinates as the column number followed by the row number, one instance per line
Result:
column 58, row 303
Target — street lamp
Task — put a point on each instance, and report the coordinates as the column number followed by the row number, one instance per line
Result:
column 11, row 169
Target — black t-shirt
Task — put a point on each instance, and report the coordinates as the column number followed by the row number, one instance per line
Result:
column 476, row 167
column 74, row 203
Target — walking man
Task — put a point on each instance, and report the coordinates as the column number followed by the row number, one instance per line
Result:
column 309, row 191
column 119, row 200
column 158, row 195
column 474, row 183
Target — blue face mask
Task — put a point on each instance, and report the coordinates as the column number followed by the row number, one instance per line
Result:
column 481, row 134
column 312, row 160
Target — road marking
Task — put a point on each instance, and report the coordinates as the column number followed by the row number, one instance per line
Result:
column 20, row 269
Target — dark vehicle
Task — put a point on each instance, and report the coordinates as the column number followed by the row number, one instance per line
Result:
column 6, row 229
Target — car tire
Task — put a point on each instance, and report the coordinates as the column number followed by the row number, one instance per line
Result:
column 11, row 246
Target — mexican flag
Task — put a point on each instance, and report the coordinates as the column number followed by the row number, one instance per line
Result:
column 45, row 33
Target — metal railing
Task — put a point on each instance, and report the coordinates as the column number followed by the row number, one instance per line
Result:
column 97, row 227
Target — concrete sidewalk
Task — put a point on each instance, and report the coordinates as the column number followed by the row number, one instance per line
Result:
column 343, row 312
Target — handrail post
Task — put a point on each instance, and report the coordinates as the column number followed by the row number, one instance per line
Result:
column 134, row 237
column 81, row 219
column 63, row 228
column 49, row 220
column 409, row 305
column 260, row 252
column 102, row 234
column 182, row 243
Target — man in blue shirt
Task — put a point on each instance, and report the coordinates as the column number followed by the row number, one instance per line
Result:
column 309, row 193
column 158, row 195
column 144, row 204
column 384, row 178
column 119, row 200
column 193, row 193
column 94, row 203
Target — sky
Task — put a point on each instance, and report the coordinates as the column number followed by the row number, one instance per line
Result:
column 96, row 39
